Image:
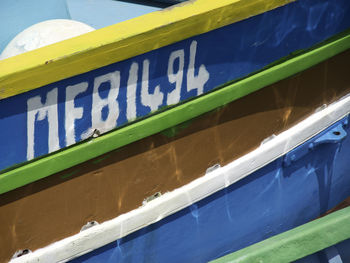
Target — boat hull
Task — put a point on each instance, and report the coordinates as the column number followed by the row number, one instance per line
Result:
column 120, row 181
column 272, row 200
column 66, row 112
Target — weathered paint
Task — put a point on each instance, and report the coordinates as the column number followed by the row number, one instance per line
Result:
column 122, row 41
column 118, row 182
column 296, row 243
column 61, row 114
column 82, row 152
column 267, row 202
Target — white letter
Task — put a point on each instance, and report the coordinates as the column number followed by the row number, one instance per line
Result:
column 196, row 82
column 131, row 92
column 72, row 113
column 111, row 101
column 49, row 110
column 151, row 100
column 174, row 96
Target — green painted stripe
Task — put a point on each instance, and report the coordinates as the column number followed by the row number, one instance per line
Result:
column 77, row 154
column 296, row 243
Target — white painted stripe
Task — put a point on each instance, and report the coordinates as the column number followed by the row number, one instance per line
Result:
column 178, row 199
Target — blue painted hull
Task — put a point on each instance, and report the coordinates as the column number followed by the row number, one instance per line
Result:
column 276, row 198
column 341, row 249
column 220, row 56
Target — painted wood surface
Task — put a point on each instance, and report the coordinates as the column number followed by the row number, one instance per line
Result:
column 269, row 201
column 123, row 40
column 299, row 242
column 273, row 199
column 61, row 114
column 117, row 182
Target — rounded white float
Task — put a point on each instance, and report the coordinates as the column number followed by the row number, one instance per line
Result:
column 43, row 34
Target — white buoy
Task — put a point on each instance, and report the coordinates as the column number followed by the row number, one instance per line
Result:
column 43, row 34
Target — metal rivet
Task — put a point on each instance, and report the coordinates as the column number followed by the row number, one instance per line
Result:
column 152, row 197
column 89, row 225
column 212, row 168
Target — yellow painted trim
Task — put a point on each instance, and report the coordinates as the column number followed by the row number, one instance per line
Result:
column 122, row 41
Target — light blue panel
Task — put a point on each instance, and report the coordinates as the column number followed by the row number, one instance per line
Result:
column 172, row 1
column 17, row 15
column 102, row 13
